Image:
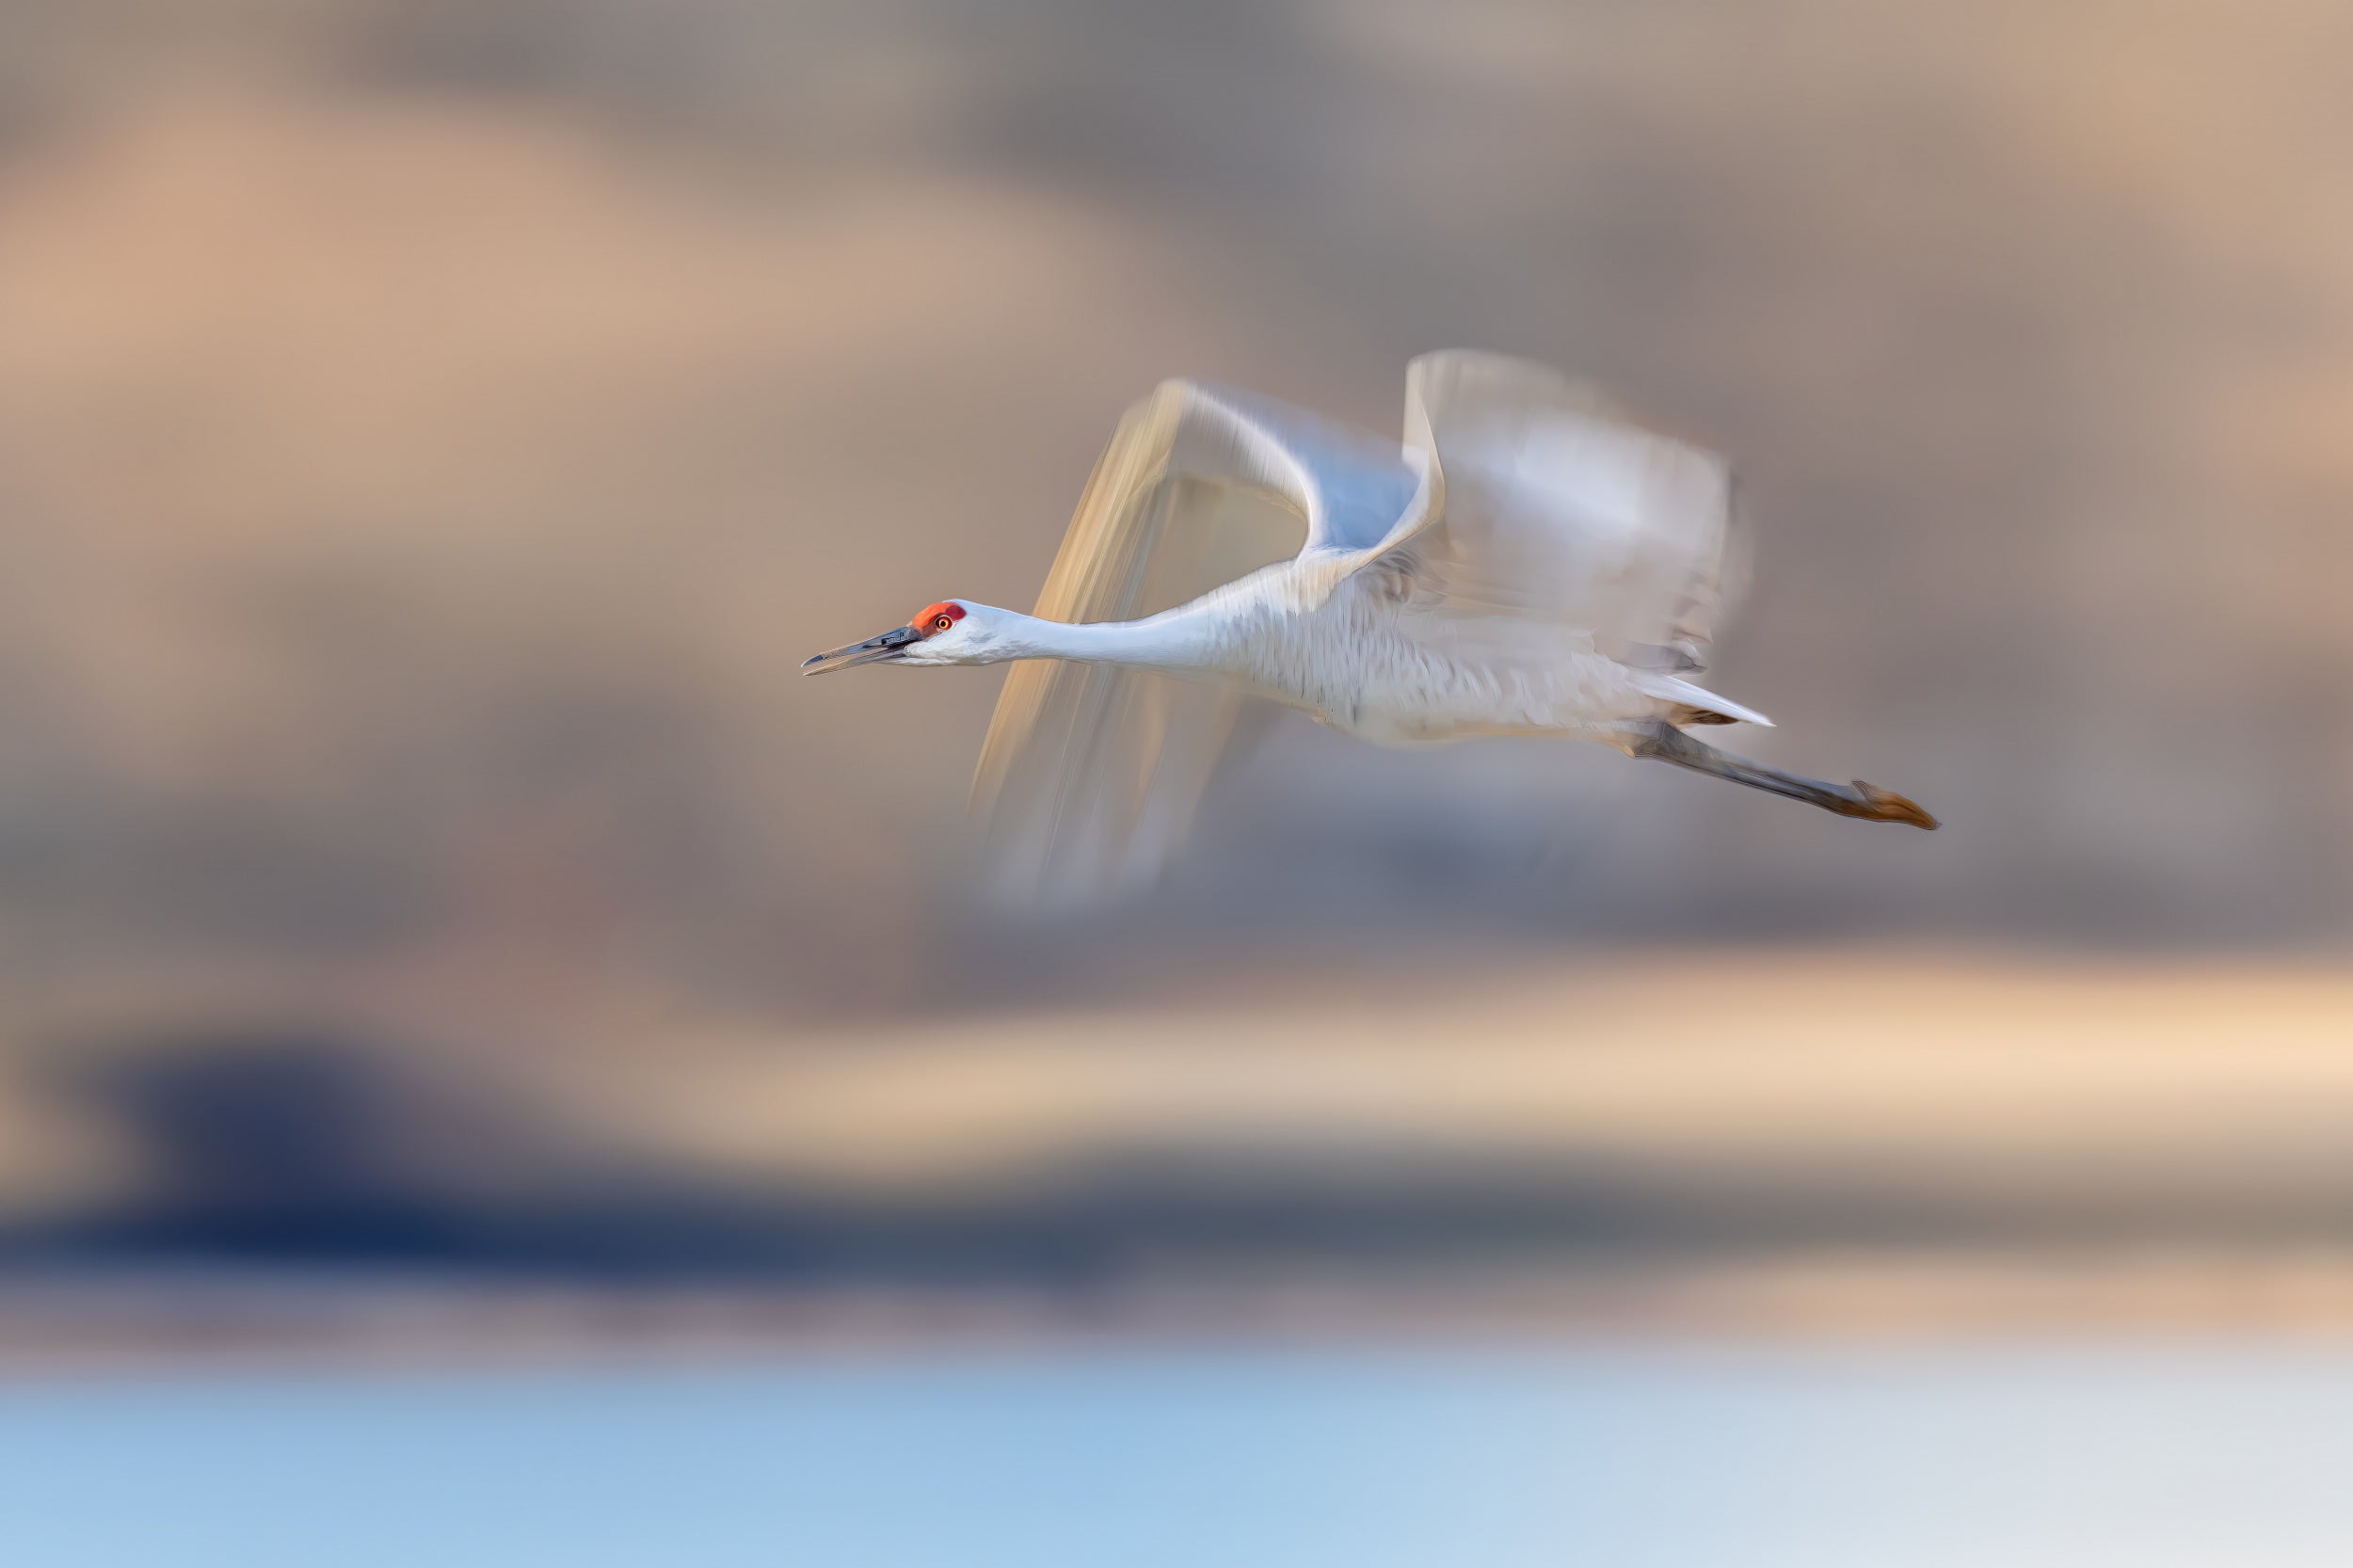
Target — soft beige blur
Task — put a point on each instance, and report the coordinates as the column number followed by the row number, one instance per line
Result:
column 433, row 432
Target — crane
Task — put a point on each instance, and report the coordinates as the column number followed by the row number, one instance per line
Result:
column 1532, row 559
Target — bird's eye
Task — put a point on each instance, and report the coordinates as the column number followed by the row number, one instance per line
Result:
column 942, row 624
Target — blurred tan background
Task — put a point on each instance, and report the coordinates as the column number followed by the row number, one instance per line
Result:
column 431, row 434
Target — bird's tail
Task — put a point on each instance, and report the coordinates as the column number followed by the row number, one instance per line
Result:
column 1696, row 704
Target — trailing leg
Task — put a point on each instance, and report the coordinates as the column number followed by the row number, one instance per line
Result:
column 1657, row 738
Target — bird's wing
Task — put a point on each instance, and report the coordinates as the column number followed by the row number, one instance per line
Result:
column 1090, row 775
column 1564, row 511
column 1351, row 489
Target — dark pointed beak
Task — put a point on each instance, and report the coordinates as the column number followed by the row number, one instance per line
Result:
column 872, row 650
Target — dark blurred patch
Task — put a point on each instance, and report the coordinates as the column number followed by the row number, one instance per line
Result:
column 304, row 1150
column 273, row 1143
column 245, row 1119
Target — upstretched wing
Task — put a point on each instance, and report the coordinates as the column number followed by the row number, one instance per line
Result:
column 1564, row 511
column 1090, row 777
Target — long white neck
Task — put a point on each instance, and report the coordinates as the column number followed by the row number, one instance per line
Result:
column 1175, row 641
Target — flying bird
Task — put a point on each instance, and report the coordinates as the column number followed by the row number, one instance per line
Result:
column 1532, row 559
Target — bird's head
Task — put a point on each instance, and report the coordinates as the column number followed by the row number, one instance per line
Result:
column 948, row 632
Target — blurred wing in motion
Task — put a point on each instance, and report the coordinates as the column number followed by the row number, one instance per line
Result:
column 1090, row 777
column 1564, row 511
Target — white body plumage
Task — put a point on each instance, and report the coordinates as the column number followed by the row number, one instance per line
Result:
column 1361, row 660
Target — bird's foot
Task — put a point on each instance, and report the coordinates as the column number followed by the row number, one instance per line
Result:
column 1873, row 804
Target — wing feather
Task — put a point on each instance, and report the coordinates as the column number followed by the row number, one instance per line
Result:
column 1090, row 777
column 1564, row 510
